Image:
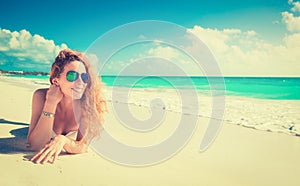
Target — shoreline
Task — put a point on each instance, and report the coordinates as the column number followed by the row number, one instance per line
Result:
column 279, row 116
column 279, row 93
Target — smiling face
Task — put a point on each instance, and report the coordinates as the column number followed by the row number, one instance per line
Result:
column 76, row 88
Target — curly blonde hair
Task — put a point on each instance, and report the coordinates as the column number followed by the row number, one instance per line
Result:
column 93, row 104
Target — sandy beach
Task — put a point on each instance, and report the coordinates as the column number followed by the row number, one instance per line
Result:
column 240, row 155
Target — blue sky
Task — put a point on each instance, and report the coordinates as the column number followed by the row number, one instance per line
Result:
column 77, row 24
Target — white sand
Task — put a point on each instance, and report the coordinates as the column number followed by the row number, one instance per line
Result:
column 239, row 155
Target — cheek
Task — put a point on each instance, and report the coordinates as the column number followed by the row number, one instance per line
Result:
column 66, row 89
column 84, row 89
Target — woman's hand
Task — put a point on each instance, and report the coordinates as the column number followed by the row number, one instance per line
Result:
column 51, row 151
column 54, row 94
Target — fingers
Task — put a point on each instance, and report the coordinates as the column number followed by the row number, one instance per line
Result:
column 54, row 86
column 50, row 152
column 54, row 93
column 55, row 157
column 47, row 157
column 47, row 154
column 35, row 157
column 42, row 156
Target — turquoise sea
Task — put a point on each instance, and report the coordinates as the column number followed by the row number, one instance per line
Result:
column 279, row 88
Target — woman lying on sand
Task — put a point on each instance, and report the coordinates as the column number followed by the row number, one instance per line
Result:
column 69, row 114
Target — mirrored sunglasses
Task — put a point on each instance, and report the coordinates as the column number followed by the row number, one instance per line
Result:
column 73, row 76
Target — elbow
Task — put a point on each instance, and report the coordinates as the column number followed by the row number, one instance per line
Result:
column 76, row 148
column 84, row 149
column 35, row 145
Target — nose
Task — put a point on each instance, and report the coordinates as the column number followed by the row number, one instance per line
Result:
column 79, row 80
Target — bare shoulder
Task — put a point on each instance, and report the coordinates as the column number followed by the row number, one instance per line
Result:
column 40, row 94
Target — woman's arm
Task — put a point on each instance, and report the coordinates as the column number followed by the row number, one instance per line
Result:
column 41, row 126
column 51, row 151
column 74, row 146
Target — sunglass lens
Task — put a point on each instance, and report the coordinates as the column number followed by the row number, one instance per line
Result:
column 72, row 76
column 85, row 77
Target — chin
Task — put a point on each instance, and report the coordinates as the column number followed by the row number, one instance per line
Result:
column 77, row 96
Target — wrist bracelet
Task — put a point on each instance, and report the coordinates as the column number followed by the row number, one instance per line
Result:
column 48, row 114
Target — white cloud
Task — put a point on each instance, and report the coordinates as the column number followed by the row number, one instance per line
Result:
column 239, row 53
column 251, row 33
column 24, row 46
column 232, row 31
column 243, row 53
column 179, row 62
column 164, row 52
column 292, row 40
column 296, row 5
column 292, row 22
